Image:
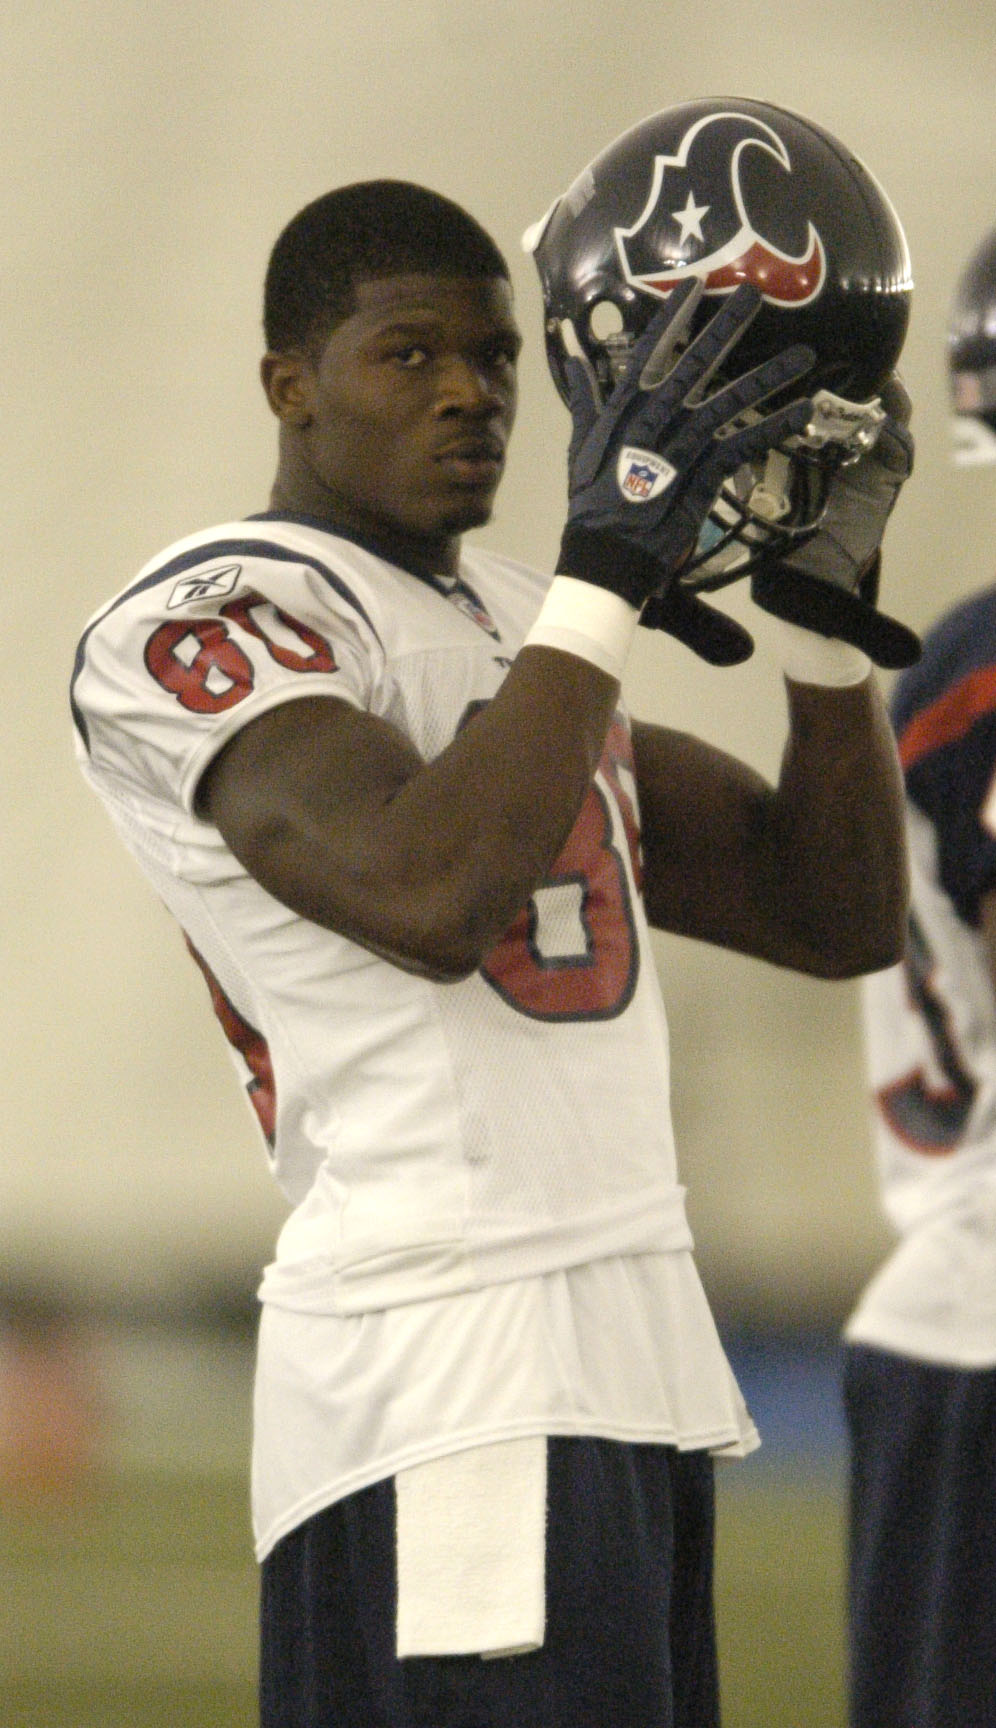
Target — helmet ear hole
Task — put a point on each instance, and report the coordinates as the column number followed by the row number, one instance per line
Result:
column 605, row 321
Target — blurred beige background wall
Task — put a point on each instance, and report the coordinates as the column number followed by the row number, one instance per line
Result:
column 151, row 155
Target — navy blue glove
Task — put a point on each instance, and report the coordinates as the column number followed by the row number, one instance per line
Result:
column 830, row 584
column 644, row 469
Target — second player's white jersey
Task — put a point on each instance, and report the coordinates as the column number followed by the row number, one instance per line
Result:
column 931, row 1041
column 931, row 1021
column 432, row 1138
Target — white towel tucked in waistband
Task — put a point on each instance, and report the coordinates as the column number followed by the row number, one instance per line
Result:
column 471, row 1530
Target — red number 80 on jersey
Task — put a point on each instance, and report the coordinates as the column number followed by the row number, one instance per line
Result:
column 201, row 664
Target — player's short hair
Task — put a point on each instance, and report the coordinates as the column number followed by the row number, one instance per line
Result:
column 358, row 233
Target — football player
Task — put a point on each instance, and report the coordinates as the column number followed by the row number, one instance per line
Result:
column 921, row 1354
column 388, row 786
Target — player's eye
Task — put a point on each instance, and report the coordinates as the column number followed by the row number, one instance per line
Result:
column 504, row 352
column 411, row 356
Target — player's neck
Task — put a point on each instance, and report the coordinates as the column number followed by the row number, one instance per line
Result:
column 436, row 555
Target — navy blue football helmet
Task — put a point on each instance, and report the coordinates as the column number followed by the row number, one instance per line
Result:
column 972, row 358
column 732, row 191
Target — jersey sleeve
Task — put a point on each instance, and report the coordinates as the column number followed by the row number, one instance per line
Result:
column 180, row 663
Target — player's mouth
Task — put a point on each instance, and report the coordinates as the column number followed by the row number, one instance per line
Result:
column 474, row 461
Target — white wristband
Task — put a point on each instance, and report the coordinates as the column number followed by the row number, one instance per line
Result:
column 808, row 658
column 587, row 621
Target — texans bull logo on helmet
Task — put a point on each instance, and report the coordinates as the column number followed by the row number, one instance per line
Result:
column 729, row 190
column 697, row 220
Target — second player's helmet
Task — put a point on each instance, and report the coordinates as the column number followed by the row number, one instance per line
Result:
column 735, row 191
column 972, row 357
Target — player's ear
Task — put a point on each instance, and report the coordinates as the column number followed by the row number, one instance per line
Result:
column 287, row 380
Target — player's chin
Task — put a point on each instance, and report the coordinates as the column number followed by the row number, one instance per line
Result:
column 470, row 509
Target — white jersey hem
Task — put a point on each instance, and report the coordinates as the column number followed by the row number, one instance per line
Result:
column 731, row 1443
column 900, row 1337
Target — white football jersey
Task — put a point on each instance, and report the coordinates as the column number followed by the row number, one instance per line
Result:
column 931, row 1022
column 432, row 1138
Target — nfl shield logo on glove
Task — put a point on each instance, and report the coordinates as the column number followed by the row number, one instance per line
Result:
column 642, row 475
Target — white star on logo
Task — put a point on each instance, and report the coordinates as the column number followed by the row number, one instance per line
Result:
column 690, row 219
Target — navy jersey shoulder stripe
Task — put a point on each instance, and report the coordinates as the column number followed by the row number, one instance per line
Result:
column 944, row 714
column 206, row 554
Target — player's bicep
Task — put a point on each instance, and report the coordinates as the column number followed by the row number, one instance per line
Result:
column 299, row 796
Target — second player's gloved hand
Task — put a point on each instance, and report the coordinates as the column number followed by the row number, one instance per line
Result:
column 645, row 467
column 830, row 585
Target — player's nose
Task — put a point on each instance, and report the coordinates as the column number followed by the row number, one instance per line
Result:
column 467, row 384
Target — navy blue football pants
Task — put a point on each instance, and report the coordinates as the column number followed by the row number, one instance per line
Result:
column 630, row 1639
column 922, row 1583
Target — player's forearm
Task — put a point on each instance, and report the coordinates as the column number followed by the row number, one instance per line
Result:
column 838, row 831
column 425, row 863
column 478, row 829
